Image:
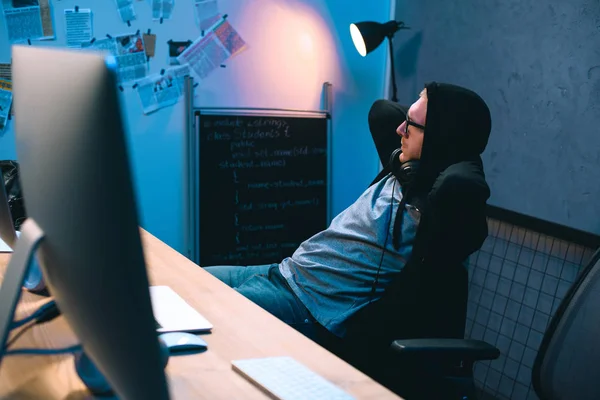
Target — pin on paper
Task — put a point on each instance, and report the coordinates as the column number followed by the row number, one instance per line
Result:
column 162, row 71
column 76, row 9
column 92, row 41
column 108, row 36
column 128, row 23
column 135, row 85
column 121, row 88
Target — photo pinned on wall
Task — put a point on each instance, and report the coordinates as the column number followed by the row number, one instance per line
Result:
column 126, row 10
column 161, row 90
column 5, row 102
column 206, row 13
column 209, row 52
column 175, row 50
column 129, row 52
column 78, row 26
column 28, row 20
column 162, row 9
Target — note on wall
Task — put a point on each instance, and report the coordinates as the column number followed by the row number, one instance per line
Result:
column 126, row 10
column 161, row 90
column 128, row 50
column 209, row 52
column 162, row 9
column 206, row 13
column 28, row 20
column 5, row 71
column 78, row 24
column 5, row 102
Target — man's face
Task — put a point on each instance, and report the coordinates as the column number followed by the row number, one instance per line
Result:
column 412, row 136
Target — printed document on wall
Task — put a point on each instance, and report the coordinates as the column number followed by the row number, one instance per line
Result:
column 207, row 13
column 5, row 102
column 126, row 10
column 162, row 9
column 209, row 52
column 129, row 52
column 161, row 90
column 28, row 20
column 78, row 24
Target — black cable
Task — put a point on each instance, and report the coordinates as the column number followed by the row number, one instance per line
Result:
column 18, row 335
column 387, row 234
column 43, row 352
column 46, row 313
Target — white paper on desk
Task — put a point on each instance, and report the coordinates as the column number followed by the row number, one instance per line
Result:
column 162, row 9
column 78, row 24
column 28, row 19
column 126, row 11
column 209, row 52
column 206, row 13
column 5, row 102
column 5, row 248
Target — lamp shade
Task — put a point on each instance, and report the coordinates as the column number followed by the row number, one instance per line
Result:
column 368, row 35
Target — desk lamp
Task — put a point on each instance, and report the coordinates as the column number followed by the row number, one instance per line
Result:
column 367, row 36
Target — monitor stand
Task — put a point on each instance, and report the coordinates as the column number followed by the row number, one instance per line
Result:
column 10, row 291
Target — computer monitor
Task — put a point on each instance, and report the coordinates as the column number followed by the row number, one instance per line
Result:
column 77, row 186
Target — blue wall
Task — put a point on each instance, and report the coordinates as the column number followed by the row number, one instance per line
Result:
column 537, row 65
column 296, row 47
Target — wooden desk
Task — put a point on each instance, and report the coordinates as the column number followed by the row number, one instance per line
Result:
column 241, row 330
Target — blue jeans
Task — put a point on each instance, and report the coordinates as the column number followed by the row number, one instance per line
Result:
column 265, row 286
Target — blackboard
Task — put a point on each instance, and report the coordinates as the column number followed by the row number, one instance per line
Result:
column 264, row 180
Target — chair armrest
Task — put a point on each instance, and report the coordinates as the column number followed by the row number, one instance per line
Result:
column 468, row 350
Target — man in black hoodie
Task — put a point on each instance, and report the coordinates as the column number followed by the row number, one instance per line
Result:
column 426, row 207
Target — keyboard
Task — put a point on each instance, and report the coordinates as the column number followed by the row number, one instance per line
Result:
column 284, row 378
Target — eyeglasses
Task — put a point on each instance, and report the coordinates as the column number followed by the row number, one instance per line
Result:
column 408, row 122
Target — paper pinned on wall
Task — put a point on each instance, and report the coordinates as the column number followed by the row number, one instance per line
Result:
column 150, row 44
column 5, row 71
column 207, row 53
column 129, row 51
column 206, row 13
column 126, row 10
column 161, row 90
column 78, row 24
column 162, row 9
column 46, row 16
column 28, row 20
column 5, row 102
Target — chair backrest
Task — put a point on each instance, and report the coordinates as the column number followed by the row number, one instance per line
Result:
column 566, row 366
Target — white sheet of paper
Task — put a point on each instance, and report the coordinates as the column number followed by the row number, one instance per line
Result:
column 207, row 53
column 206, row 13
column 162, row 9
column 126, row 10
column 4, row 248
column 159, row 91
column 78, row 25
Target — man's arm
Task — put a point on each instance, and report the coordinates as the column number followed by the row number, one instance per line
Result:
column 384, row 118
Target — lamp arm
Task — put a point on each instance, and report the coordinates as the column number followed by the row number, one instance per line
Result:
column 392, row 71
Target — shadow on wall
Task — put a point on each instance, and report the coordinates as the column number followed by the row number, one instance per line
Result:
column 406, row 57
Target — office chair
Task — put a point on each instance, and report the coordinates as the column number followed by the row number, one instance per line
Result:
column 412, row 339
column 566, row 366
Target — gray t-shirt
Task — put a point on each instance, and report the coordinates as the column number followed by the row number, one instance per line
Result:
column 332, row 272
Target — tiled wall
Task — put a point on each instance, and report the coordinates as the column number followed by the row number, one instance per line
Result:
column 517, row 281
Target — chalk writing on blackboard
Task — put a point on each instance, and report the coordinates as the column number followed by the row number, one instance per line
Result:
column 264, row 184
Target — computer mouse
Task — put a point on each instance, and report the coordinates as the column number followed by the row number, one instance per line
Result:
column 183, row 342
